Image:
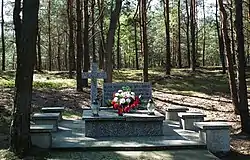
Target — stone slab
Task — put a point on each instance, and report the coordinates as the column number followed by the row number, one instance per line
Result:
column 172, row 112
column 130, row 124
column 40, row 128
column 73, row 137
column 53, row 109
column 212, row 125
column 144, row 89
column 46, row 116
column 176, row 109
column 185, row 115
column 184, row 154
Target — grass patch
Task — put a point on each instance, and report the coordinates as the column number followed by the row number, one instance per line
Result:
column 7, row 155
column 69, row 114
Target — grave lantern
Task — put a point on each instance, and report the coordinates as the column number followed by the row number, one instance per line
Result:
column 95, row 107
column 151, row 107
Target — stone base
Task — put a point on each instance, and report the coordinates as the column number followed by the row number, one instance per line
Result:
column 172, row 112
column 109, row 124
column 187, row 120
column 41, row 140
column 47, row 122
column 215, row 135
column 54, row 110
column 123, row 128
column 188, row 124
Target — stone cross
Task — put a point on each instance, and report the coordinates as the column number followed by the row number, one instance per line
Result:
column 94, row 75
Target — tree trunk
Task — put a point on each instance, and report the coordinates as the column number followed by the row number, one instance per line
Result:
column 243, row 103
column 71, row 37
column 118, row 46
column 39, row 55
column 136, row 46
column 3, row 38
column 187, row 34
column 144, row 47
column 26, row 34
column 231, row 75
column 193, row 24
column 204, row 34
column 168, row 50
column 66, row 52
column 100, row 4
column 110, row 39
column 58, row 49
column 232, row 32
column 179, row 34
column 86, row 63
column 93, row 29
column 49, row 31
column 221, row 41
column 79, row 46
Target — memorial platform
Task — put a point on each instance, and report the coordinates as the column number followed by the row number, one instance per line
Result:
column 109, row 124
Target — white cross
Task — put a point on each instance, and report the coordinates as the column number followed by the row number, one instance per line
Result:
column 94, row 75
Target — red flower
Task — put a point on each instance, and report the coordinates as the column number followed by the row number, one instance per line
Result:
column 116, row 106
column 120, row 110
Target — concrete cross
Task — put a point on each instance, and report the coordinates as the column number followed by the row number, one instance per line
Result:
column 94, row 75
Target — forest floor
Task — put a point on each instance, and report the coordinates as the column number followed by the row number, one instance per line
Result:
column 205, row 90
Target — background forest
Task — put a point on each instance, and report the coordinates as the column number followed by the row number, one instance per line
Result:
column 54, row 34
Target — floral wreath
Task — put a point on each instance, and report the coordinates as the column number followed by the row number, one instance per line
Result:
column 124, row 100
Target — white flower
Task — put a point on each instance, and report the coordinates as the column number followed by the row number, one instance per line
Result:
column 117, row 94
column 123, row 94
column 115, row 99
column 132, row 93
column 120, row 91
column 128, row 100
column 133, row 96
column 128, row 95
column 122, row 100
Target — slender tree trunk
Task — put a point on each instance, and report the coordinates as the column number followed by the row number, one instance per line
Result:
column 204, row 34
column 86, row 63
column 93, row 30
column 79, row 46
column 193, row 24
column 231, row 75
column 168, row 49
column 49, row 31
column 187, row 34
column 110, row 39
column 221, row 41
column 58, row 49
column 232, row 32
column 143, row 5
column 179, row 34
column 39, row 55
column 71, row 37
column 66, row 52
column 136, row 46
column 100, row 4
column 118, row 46
column 26, row 34
column 3, row 38
column 243, row 103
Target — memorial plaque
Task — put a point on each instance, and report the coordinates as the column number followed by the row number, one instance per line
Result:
column 143, row 89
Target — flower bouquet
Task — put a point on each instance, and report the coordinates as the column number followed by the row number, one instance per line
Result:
column 124, row 100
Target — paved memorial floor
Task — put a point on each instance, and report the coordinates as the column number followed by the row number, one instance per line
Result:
column 71, row 135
